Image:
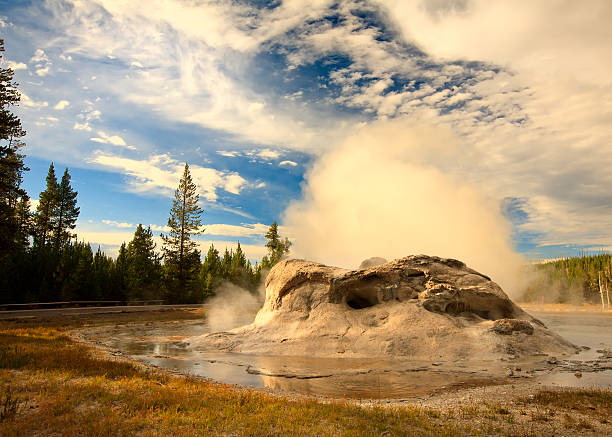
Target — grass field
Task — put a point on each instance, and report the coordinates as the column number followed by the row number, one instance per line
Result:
column 52, row 385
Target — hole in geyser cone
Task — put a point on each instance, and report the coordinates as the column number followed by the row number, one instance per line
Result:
column 359, row 299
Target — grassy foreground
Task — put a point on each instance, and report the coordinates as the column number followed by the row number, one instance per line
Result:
column 51, row 385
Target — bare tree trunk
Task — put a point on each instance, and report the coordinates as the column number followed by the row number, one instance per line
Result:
column 603, row 304
column 607, row 294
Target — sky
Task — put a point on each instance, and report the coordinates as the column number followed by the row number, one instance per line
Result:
column 270, row 103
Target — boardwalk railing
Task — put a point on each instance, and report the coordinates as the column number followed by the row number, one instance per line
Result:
column 76, row 304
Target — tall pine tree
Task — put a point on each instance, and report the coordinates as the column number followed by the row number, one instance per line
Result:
column 181, row 256
column 211, row 272
column 24, row 222
column 11, row 161
column 120, row 274
column 143, row 266
column 277, row 247
column 45, row 211
column 66, row 211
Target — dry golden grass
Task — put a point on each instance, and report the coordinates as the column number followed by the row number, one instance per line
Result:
column 594, row 402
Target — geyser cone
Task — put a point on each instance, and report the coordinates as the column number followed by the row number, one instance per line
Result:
column 418, row 307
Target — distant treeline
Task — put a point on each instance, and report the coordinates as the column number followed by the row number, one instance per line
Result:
column 40, row 273
column 571, row 280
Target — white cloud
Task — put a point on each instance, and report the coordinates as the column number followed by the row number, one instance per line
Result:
column 42, row 71
column 268, row 154
column 17, row 66
column 28, row 102
column 33, row 204
column 96, row 237
column 161, row 174
column 154, row 227
column 116, row 224
column 82, row 126
column 245, row 230
column 228, row 154
column 114, row 140
column 294, row 96
column 158, row 228
column 39, row 56
column 234, row 183
column 289, row 163
column 61, row 105
column 90, row 114
column 195, row 59
column 40, row 62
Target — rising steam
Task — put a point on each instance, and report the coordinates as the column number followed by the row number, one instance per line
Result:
column 381, row 193
column 232, row 307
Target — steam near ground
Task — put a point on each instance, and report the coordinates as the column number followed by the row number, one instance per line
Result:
column 232, row 307
column 381, row 192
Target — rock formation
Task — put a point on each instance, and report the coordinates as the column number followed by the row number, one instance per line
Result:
column 418, row 307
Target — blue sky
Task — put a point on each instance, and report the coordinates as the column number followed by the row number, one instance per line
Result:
column 258, row 96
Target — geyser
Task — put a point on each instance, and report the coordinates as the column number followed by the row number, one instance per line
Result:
column 417, row 307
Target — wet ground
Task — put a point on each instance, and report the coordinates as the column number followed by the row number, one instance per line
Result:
column 166, row 345
column 590, row 329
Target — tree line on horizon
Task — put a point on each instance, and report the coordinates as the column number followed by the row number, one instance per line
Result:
column 41, row 259
column 575, row 280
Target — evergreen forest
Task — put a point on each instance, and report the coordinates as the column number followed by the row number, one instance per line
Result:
column 576, row 280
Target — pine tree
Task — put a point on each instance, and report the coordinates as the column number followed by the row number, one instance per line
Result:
column 82, row 272
column 24, row 222
column 226, row 264
column 277, row 247
column 239, row 259
column 240, row 274
column 181, row 256
column 211, row 271
column 120, row 273
column 11, row 161
column 66, row 211
column 45, row 211
column 143, row 266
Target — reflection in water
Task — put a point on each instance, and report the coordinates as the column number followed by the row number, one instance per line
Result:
column 582, row 329
column 167, row 346
column 569, row 379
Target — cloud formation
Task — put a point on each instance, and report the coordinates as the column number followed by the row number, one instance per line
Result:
column 161, row 174
column 288, row 163
column 61, row 105
column 244, row 230
column 104, row 138
column 527, row 106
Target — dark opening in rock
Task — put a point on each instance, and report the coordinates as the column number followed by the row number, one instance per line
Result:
column 361, row 298
column 456, row 308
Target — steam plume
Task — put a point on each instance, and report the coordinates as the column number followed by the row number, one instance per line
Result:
column 232, row 307
column 381, row 193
